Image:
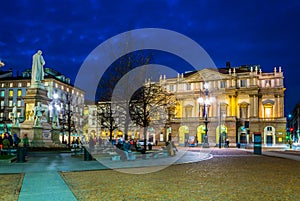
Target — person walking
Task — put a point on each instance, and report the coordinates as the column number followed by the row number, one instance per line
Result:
column 25, row 141
column 127, row 149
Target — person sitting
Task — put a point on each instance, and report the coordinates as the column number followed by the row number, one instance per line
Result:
column 5, row 144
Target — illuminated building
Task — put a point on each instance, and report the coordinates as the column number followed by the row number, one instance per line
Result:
column 13, row 89
column 242, row 100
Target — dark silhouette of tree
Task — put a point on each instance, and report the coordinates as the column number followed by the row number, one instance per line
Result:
column 151, row 105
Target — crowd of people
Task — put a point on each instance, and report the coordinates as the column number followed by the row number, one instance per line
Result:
column 8, row 141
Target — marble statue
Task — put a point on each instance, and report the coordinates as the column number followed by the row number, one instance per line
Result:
column 38, row 62
column 38, row 113
column 55, row 120
column 14, row 114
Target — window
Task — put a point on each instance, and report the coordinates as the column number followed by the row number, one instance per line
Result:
column 188, row 86
column 46, row 84
column 10, row 103
column 223, row 84
column 188, row 111
column 2, row 104
column 268, row 112
column 269, row 128
column 11, row 84
column 28, row 84
column 242, row 83
column 20, row 84
column 243, row 110
column 171, row 87
column 2, row 93
column 2, row 85
column 19, row 103
column 11, row 93
column 19, row 92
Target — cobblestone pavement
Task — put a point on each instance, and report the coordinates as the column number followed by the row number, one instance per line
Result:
column 230, row 175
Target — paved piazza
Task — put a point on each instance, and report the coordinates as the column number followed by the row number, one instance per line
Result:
column 221, row 174
column 231, row 174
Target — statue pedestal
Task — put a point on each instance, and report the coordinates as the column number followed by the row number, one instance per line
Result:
column 55, row 135
column 39, row 136
column 15, row 130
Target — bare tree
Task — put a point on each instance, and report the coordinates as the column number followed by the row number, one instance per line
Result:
column 119, row 110
column 105, row 116
column 150, row 105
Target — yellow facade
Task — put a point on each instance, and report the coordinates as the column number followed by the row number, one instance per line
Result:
column 241, row 100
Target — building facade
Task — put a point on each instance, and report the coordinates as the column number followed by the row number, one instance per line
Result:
column 238, row 101
column 13, row 89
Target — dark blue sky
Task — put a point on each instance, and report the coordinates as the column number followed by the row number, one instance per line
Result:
column 243, row 32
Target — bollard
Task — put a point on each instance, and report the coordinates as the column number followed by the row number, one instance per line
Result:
column 20, row 155
column 87, row 155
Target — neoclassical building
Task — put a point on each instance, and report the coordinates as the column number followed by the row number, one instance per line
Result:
column 238, row 101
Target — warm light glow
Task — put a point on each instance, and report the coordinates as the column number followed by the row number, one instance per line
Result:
column 55, row 96
column 1, row 64
column 207, row 101
column 268, row 112
column 200, row 100
column 205, row 86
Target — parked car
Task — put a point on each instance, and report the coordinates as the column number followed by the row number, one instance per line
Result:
column 141, row 142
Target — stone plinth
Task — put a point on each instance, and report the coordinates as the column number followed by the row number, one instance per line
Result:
column 33, row 96
column 55, row 135
column 15, row 130
column 39, row 136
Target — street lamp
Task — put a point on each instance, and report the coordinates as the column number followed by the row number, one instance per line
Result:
column 206, row 102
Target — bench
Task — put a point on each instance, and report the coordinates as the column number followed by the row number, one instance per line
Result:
column 115, row 157
column 77, row 150
column 9, row 151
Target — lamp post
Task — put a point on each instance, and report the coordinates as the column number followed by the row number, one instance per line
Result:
column 206, row 104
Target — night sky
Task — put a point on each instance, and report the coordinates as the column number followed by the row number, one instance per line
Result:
column 242, row 32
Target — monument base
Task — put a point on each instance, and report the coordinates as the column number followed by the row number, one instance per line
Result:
column 55, row 135
column 39, row 136
column 15, row 130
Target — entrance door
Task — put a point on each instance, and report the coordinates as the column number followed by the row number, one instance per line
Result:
column 243, row 138
column 269, row 140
